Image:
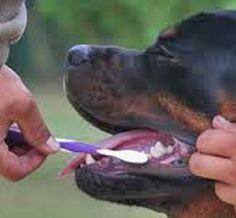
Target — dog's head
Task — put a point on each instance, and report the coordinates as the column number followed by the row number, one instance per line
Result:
column 175, row 86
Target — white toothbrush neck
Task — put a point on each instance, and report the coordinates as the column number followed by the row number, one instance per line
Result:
column 128, row 156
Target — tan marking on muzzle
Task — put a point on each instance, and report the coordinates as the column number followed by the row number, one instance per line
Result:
column 195, row 121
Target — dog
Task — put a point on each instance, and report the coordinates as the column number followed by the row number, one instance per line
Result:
column 157, row 101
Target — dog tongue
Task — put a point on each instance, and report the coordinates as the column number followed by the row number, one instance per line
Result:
column 111, row 142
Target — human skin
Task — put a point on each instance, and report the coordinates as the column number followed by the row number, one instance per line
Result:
column 216, row 158
column 18, row 107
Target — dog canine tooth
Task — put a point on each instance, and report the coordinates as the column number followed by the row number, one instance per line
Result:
column 89, row 160
column 158, row 150
column 170, row 149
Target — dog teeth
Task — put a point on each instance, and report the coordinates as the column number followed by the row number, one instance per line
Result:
column 81, row 165
column 159, row 150
column 170, row 149
column 89, row 160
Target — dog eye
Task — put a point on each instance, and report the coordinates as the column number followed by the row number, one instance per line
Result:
column 165, row 52
column 161, row 51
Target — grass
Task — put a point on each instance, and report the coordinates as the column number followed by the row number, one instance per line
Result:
column 43, row 195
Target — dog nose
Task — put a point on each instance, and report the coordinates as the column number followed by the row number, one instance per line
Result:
column 78, row 54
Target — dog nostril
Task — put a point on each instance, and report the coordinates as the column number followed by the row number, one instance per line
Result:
column 78, row 55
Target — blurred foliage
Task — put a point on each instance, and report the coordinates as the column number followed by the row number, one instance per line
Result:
column 131, row 23
column 55, row 25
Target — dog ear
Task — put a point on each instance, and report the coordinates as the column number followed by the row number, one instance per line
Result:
column 185, row 37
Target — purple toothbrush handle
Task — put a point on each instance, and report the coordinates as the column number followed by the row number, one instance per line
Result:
column 78, row 147
column 14, row 137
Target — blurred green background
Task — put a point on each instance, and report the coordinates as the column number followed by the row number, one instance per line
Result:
column 54, row 26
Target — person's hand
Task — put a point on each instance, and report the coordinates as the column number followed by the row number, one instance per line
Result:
column 216, row 158
column 18, row 106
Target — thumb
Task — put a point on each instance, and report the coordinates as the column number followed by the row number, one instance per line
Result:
column 19, row 107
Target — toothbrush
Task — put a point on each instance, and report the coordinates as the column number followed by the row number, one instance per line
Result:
column 15, row 137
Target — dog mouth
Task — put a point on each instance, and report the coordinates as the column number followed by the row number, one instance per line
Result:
column 165, row 153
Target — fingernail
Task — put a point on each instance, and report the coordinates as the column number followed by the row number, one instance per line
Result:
column 222, row 122
column 53, row 144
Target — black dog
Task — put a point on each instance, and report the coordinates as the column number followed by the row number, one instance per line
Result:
column 176, row 86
